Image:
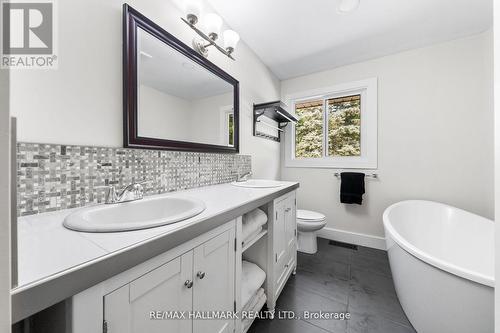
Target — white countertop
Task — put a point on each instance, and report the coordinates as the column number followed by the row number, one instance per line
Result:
column 46, row 249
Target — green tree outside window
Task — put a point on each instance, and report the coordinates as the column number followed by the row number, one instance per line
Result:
column 344, row 127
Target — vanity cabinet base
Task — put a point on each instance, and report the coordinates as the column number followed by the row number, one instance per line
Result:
column 167, row 293
column 199, row 276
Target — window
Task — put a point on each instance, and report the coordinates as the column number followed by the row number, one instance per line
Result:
column 309, row 129
column 344, row 126
column 337, row 127
column 230, row 129
column 227, row 126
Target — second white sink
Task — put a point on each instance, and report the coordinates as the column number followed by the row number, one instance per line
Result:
column 258, row 183
column 140, row 214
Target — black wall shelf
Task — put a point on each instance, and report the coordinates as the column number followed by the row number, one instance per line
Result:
column 275, row 111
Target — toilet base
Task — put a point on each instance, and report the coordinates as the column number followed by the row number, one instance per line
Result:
column 307, row 242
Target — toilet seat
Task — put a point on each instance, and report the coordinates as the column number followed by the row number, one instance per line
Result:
column 307, row 220
column 309, row 216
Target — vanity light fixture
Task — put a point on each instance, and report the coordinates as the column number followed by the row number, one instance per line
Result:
column 213, row 25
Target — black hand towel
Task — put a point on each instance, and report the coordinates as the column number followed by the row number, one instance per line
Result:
column 352, row 187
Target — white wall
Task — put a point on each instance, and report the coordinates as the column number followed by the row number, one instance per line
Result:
column 496, row 41
column 5, row 281
column 207, row 116
column 435, row 125
column 81, row 102
column 170, row 117
column 162, row 115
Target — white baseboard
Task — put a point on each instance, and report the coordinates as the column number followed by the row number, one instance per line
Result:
column 355, row 238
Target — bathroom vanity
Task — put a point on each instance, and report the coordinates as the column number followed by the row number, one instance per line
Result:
column 129, row 266
column 126, row 281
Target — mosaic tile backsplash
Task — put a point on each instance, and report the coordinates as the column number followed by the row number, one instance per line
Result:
column 54, row 177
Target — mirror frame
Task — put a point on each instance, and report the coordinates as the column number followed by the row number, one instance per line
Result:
column 132, row 20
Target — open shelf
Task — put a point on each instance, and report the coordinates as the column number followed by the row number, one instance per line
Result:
column 275, row 111
column 246, row 329
column 253, row 240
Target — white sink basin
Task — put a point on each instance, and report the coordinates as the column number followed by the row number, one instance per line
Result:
column 140, row 214
column 258, row 183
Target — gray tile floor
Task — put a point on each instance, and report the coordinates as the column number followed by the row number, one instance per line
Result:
column 340, row 279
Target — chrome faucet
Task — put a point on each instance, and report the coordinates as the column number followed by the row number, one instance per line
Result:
column 131, row 192
column 244, row 177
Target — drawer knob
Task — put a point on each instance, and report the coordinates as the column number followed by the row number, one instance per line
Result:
column 200, row 275
column 188, row 283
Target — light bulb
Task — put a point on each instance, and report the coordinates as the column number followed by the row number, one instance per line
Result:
column 231, row 39
column 213, row 23
column 193, row 10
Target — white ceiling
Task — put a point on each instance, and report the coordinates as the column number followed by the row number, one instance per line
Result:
column 297, row 37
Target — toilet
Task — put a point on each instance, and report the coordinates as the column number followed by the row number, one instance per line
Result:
column 308, row 223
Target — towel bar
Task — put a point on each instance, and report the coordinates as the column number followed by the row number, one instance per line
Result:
column 269, row 125
column 368, row 175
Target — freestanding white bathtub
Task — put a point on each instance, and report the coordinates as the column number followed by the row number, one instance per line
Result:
column 442, row 263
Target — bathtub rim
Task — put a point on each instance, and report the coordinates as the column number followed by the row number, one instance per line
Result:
column 474, row 276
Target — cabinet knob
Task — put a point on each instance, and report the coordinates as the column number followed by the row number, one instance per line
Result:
column 200, row 275
column 288, row 209
column 188, row 283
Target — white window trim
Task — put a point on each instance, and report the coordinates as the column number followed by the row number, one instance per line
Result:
column 369, row 115
column 225, row 111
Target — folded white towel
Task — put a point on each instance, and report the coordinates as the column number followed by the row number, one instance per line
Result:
column 247, row 322
column 252, row 278
column 252, row 221
column 252, row 235
column 253, row 301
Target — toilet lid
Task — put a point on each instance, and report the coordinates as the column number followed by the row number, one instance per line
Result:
column 309, row 215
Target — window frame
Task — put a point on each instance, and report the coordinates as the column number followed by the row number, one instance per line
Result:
column 228, row 128
column 225, row 112
column 368, row 89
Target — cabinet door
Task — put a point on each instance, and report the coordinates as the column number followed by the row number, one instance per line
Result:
column 128, row 309
column 290, row 223
column 279, row 243
column 279, row 232
column 214, row 267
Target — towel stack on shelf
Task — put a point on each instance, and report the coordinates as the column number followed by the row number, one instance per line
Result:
column 252, row 279
column 252, row 224
column 253, row 297
column 254, row 305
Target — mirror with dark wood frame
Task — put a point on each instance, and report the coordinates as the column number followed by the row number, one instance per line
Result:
column 174, row 98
